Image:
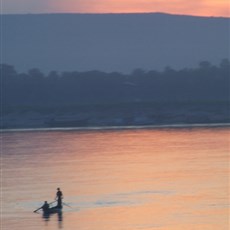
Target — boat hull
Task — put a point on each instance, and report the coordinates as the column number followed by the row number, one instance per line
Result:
column 52, row 210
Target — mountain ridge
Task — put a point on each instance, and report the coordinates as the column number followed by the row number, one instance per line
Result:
column 112, row 42
column 128, row 13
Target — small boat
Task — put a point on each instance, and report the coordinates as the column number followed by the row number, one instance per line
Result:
column 52, row 210
column 47, row 210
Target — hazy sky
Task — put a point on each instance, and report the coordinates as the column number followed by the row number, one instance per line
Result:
column 188, row 7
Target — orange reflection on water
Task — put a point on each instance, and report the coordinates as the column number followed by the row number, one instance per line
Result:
column 144, row 179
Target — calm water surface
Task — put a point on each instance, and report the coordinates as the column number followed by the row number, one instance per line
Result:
column 170, row 179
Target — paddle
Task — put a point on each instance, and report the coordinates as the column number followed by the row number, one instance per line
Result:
column 41, row 207
column 37, row 209
column 66, row 204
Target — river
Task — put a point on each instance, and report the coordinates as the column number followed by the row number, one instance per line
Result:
column 170, row 178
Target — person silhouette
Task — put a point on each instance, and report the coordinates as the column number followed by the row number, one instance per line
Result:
column 45, row 207
column 59, row 197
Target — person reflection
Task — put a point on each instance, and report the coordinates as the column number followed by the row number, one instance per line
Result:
column 60, row 220
column 46, row 216
column 60, row 217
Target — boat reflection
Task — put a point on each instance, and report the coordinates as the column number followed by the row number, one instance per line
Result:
column 47, row 216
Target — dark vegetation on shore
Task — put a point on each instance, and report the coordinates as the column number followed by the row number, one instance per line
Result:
column 204, row 83
column 193, row 95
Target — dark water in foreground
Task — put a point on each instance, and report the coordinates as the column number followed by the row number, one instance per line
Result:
column 117, row 180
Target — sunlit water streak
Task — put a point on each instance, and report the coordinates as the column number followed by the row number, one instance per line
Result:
column 117, row 179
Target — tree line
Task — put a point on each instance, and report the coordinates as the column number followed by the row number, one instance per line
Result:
column 204, row 82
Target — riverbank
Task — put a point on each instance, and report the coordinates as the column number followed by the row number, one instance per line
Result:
column 124, row 115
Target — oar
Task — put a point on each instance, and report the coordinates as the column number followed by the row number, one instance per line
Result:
column 37, row 209
column 52, row 202
column 41, row 207
column 66, row 204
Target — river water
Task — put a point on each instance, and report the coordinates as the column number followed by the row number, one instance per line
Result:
column 172, row 179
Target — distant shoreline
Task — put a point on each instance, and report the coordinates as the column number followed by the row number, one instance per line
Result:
column 133, row 127
column 117, row 116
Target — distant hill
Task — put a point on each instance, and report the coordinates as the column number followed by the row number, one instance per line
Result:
column 112, row 42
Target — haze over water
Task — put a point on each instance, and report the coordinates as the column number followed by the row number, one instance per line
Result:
column 170, row 179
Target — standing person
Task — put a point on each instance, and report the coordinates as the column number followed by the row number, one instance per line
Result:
column 59, row 197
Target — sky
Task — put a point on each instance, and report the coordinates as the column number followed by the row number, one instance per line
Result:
column 218, row 8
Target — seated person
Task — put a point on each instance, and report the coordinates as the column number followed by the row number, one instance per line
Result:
column 45, row 206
